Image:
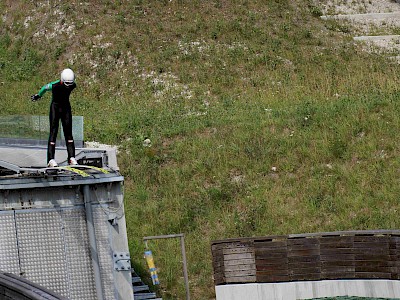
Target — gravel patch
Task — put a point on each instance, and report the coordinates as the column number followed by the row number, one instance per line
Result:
column 337, row 7
column 366, row 18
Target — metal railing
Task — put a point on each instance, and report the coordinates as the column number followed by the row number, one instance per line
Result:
column 34, row 130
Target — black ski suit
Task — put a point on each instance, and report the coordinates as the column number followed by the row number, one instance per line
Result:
column 60, row 109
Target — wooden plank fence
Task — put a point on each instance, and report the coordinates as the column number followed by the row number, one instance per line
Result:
column 302, row 257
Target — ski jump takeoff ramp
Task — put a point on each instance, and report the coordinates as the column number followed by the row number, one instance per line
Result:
column 64, row 228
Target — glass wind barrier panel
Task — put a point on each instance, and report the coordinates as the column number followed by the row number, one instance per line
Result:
column 35, row 130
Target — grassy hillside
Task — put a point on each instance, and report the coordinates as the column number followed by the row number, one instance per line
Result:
column 262, row 118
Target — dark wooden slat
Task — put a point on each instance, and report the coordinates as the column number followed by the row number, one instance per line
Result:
column 311, row 258
column 309, row 242
column 272, row 272
column 368, row 239
column 271, row 244
column 337, row 257
column 336, row 240
column 337, row 251
column 372, row 246
column 272, row 268
column 240, row 272
column 238, row 256
column 269, row 261
column 305, row 252
column 393, row 263
column 216, row 259
column 395, row 240
column 217, row 256
column 233, row 244
column 336, row 246
column 245, row 261
column 272, row 278
column 339, row 263
column 242, row 279
column 220, row 269
column 293, row 266
column 238, row 268
column 337, row 275
column 338, row 269
column 273, row 238
column 373, row 269
column 305, row 277
column 261, row 251
column 237, row 251
column 306, row 270
column 299, row 247
column 219, row 279
column 372, row 257
column 218, row 275
column 366, row 263
column 267, row 255
column 372, row 275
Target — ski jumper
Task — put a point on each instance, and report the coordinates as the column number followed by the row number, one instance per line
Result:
column 60, row 109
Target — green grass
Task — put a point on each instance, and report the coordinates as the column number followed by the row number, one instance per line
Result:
column 263, row 119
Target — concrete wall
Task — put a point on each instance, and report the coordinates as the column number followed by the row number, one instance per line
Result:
column 309, row 290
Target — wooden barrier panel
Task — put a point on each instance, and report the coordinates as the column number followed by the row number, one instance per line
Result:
column 306, row 257
column 234, row 262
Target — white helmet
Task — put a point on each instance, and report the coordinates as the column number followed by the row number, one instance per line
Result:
column 67, row 77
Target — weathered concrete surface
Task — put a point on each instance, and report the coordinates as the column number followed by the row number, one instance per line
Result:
column 365, row 17
column 395, row 16
column 377, row 37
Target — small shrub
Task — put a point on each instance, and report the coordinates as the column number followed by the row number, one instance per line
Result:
column 315, row 10
column 338, row 148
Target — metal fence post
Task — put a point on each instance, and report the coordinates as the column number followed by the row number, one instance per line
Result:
column 181, row 236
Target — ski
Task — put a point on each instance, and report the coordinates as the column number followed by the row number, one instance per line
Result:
column 57, row 170
column 83, row 167
column 82, row 170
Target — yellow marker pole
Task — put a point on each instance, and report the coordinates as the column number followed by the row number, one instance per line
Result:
column 148, row 255
column 181, row 236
